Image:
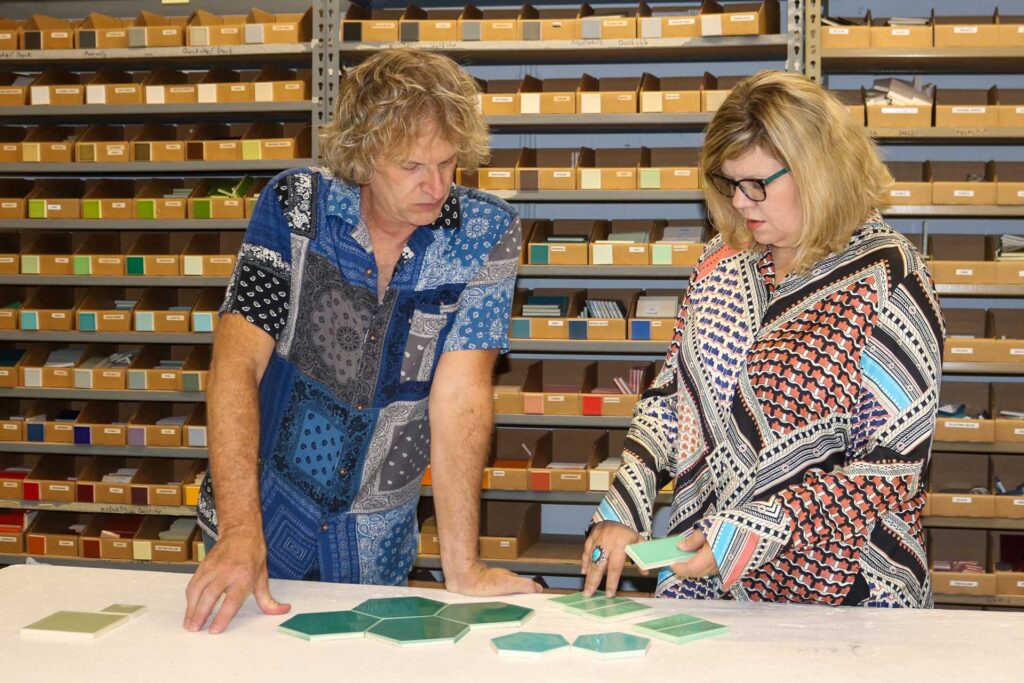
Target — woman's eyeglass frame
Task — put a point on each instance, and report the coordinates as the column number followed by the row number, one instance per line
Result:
column 729, row 189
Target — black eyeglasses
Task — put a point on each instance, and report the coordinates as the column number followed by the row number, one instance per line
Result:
column 753, row 188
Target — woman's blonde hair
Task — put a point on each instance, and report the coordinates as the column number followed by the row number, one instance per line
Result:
column 387, row 101
column 833, row 161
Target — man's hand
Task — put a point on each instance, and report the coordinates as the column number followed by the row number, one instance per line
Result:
column 700, row 565
column 482, row 581
column 235, row 567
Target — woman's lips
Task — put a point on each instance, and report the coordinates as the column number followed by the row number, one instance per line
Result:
column 754, row 225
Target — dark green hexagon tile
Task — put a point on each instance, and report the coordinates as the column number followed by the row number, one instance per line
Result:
column 419, row 631
column 328, row 625
column 395, row 608
column 478, row 615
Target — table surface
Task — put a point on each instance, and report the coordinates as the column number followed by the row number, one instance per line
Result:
column 771, row 642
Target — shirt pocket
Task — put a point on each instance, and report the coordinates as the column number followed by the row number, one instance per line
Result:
column 427, row 331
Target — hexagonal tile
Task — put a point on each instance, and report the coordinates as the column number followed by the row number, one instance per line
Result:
column 328, row 625
column 396, row 608
column 528, row 644
column 419, row 631
column 487, row 614
column 612, row 645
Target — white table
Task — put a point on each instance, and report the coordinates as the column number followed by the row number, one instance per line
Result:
column 766, row 642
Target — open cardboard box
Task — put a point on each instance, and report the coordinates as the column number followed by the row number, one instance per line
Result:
column 972, row 428
column 148, row 546
column 109, row 199
column 543, row 250
column 29, row 370
column 92, row 488
column 951, row 478
column 429, row 539
column 160, row 142
column 962, row 259
column 1010, row 31
column 11, row 138
column 966, row 108
column 252, row 197
column 190, row 490
column 10, row 250
column 153, row 30
column 59, row 427
column 489, row 24
column 976, row 31
column 523, row 327
column 967, row 340
column 508, row 528
column 110, row 86
column 512, row 451
column 611, row 169
column 605, row 329
column 11, row 299
column 644, row 327
column 206, row 28
column 609, row 247
column 104, row 423
column 205, row 312
column 912, row 185
column 223, row 85
column 160, row 480
column 14, row 195
column 51, row 309
column 10, row 33
column 739, row 19
column 716, row 90
column 97, row 311
column 102, row 143
column 547, row 169
column 1008, row 470
column 42, row 32
column 562, row 382
column 672, row 94
column 50, row 253
column 1007, row 396
column 1009, row 183
column 419, row 25
column 99, row 253
column 550, row 23
column 108, row 378
column 669, row 21
column 269, row 140
column 34, row 372
column 576, row 451
column 513, row 377
column 676, row 253
column 605, row 402
column 146, row 375
column 499, row 97
column 1006, row 327
column 13, row 524
column 1010, row 111
column 51, row 533
column 161, row 309
column 1007, row 549
column 14, row 89
column 600, row 476
column 215, row 142
column 853, row 100
column 109, row 536
column 265, row 28
column 951, row 545
column 194, row 435
column 58, row 88
column 609, row 95
column 499, row 173
column 49, row 144
column 211, row 254
column 12, row 421
column 103, row 32
column 899, row 115
column 143, row 429
column 155, row 199
column 550, row 96
column 54, row 477
column 164, row 85
column 952, row 182
column 607, row 23
column 372, row 25
column 854, row 36
column 155, row 253
column 12, row 483
column 901, row 37
column 203, row 203
column 671, row 168
column 278, row 84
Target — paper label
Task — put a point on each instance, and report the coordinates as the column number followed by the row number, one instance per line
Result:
column 499, row 174
column 164, row 260
column 442, row 24
column 597, row 323
column 963, row 425
column 557, row 249
column 963, row 193
column 166, row 548
column 838, row 31
column 118, row 205
column 170, row 204
column 964, row 584
column 1018, row 432
column 672, row 96
column 228, row 145
column 505, row 544
column 561, row 174
column 181, row 89
column 109, row 261
column 172, row 146
column 9, row 205
column 1020, row 502
column 961, row 351
column 221, row 259
column 743, row 17
column 10, row 148
column 167, row 375
column 497, row 473
column 561, row 98
column 900, row 32
column 682, row 21
column 277, row 144
column 58, row 316
column 899, row 110
column 1020, row 193
column 965, row 272
column 66, row 544
column 113, row 316
column 111, row 373
column 292, row 86
column 637, row 250
column 555, row 399
column 379, row 24
column 229, row 30
column 614, row 22
column 502, row 98
column 970, row 110
column 289, row 27
column 175, row 318
column 111, row 430
column 8, row 539
column 681, row 173
column 122, row 91
column 570, row 477
column 623, row 174
column 59, row 34
column 556, row 323
column 965, row 29
column 168, row 432
column 59, row 487
column 66, row 91
column 167, row 492
column 60, row 148
column 1017, row 352
column 962, row 500
column 501, row 24
column 10, row 427
column 169, row 32
column 119, row 544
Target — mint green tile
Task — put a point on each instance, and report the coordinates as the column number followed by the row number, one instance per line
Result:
column 328, row 625
column 74, row 625
column 37, row 208
column 616, row 612
column 29, row 320
column 392, row 608
column 30, row 265
column 193, row 265
column 135, row 265
column 82, row 265
column 650, row 179
column 570, row 599
column 661, row 254
column 137, row 380
column 613, row 645
column 145, row 208
column 658, row 553
column 539, row 254
column 33, row 377
column 684, row 633
column 668, row 622
column 83, row 379
column 487, row 614
column 528, row 644
column 596, row 602
column 251, row 149
column 190, row 381
column 202, row 322
column 144, row 322
column 201, row 208
column 419, row 630
column 91, row 208
column 87, row 322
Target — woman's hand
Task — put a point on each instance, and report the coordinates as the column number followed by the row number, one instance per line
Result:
column 612, row 538
column 702, row 564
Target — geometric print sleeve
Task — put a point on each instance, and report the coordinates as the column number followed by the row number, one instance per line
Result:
column 260, row 284
column 830, row 511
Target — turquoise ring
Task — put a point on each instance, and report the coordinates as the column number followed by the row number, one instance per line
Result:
column 597, row 556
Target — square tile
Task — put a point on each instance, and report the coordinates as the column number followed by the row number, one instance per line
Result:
column 528, row 644
column 75, row 625
column 613, row 645
column 650, row 179
column 133, row 611
column 661, row 254
column 328, row 625
column 87, row 322
column 82, row 265
column 135, row 265
column 596, row 602
column 681, row 628
column 202, row 322
column 419, row 630
column 658, row 553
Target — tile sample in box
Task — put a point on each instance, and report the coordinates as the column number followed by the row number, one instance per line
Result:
column 482, row 615
column 75, row 625
column 393, row 608
column 612, row 645
column 528, row 644
column 681, row 628
column 328, row 625
column 419, row 630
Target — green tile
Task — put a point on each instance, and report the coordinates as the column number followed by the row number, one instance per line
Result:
column 29, row 320
column 570, row 599
column 133, row 611
column 144, row 322
column 193, row 265
column 328, row 625
column 667, row 622
column 91, row 209
column 201, row 208
column 82, row 265
column 661, row 254
column 87, row 322
column 539, row 254
column 393, row 608
column 613, row 645
column 616, row 612
column 419, row 631
column 74, row 625
column 251, row 150
column 528, row 644
column 30, row 265
column 487, row 614
column 190, row 381
column 145, row 208
column 37, row 208
column 135, row 265
column 596, row 602
column 658, row 553
column 650, row 179
column 686, row 632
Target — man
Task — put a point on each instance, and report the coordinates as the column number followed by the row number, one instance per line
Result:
column 356, row 343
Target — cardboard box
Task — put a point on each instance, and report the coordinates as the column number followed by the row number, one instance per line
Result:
column 109, row 86
column 608, row 95
column 951, row 477
column 211, row 254
column 14, row 89
column 110, row 200
column 206, row 28
column 610, row 247
column 672, row 94
column 55, row 477
column 164, row 85
column 154, row 30
column 277, row 84
column 14, row 194
column 156, row 253
column 223, row 85
column 550, row 96
column 853, row 100
column 671, row 168
column 99, row 31
column 901, row 37
column 1010, row 31
column 545, row 251
column 550, row 23
column 190, row 491
column 87, row 376
column 194, row 434
column 102, row 143
column 1008, row 471
column 604, row 329
column 109, row 537
column 966, row 108
column 370, row 25
column 1010, row 273
column 899, row 116
column 644, row 327
column 11, row 299
column 148, row 546
column 97, row 311
column 144, row 430
column 147, row 374
column 962, row 259
column 58, row 88
column 215, row 142
column 1009, row 183
column 53, row 533
column 1006, row 327
column 912, row 185
column 1010, row 112
column 252, row 197
column 739, row 19
column 110, row 492
column 264, row 28
column 104, row 423
column 51, row 309
column 497, row 174
column 611, row 169
column 716, row 90
column 160, row 481
column 499, row 97
column 206, row 202
column 160, row 142
column 165, row 310
column 607, row 23
column 55, row 199
column 962, row 182
column 574, row 452
column 13, row 466
column 429, row 540
column 48, row 144
column 489, row 24
column 508, row 529
column 42, row 32
column 204, row 313
column 966, row 336
column 562, row 382
column 976, row 31
column 669, row 21
column 435, row 25
column 11, row 138
column 1007, row 550
column 972, row 428
column 155, row 199
column 1007, row 396
column 854, row 35
column 48, row 254
column 548, row 328
column 512, row 377
column 512, row 451
column 269, row 140
column 951, row 545
column 665, row 253
column 607, row 400
column 10, row 33
column 547, row 169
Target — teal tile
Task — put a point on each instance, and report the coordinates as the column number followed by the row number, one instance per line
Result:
column 393, row 608
column 328, row 625
column 202, row 322
column 613, row 645
column 487, row 614
column 528, row 644
column 596, row 602
column 667, row 622
column 419, row 630
column 87, row 322
column 570, row 599
column 539, row 254
column 29, row 320
column 685, row 632
column 520, row 329
column 190, row 381
column 616, row 612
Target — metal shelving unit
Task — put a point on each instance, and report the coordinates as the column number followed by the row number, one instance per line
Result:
column 154, row 111
column 107, row 508
column 680, row 272
column 123, row 451
column 219, row 55
column 994, row 523
column 599, row 195
column 143, row 168
column 953, row 211
column 176, row 567
column 133, row 225
column 113, row 281
column 105, row 395
column 925, row 59
column 599, row 422
column 109, row 337
column 631, row 122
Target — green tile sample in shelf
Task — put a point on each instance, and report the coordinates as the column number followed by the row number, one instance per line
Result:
column 328, row 625
column 135, row 265
column 419, row 631
column 487, row 614
column 30, row 265
column 37, row 208
column 650, row 178
column 193, row 265
column 87, row 322
column 145, row 208
column 201, row 208
column 91, row 208
column 612, row 645
column 393, row 608
column 75, row 625
column 528, row 644
column 661, row 254
column 82, row 265
column 251, row 150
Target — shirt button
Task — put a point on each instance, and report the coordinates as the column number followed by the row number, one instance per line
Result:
column 373, row 337
column 325, row 526
column 359, row 406
column 342, row 470
column 369, row 271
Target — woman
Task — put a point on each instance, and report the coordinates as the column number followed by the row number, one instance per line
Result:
column 795, row 410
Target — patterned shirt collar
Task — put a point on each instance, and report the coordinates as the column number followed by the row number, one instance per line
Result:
column 343, row 202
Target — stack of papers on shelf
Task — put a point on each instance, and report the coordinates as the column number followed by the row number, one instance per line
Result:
column 546, row 306
column 628, row 237
column 121, row 359
column 170, row 364
column 561, row 465
column 179, row 193
column 1011, row 248
column 657, row 306
column 895, row 92
column 602, row 308
column 122, row 476
column 681, row 233
column 569, row 239
column 124, row 304
column 179, row 530
column 172, row 420
column 1011, row 415
column 64, row 358
column 909, row 21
